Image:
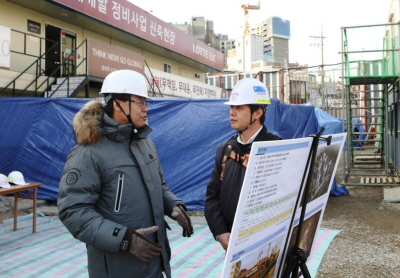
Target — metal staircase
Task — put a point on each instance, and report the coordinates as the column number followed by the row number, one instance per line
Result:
column 367, row 160
column 367, row 84
column 67, row 86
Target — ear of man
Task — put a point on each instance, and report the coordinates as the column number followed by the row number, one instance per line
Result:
column 258, row 113
column 116, row 106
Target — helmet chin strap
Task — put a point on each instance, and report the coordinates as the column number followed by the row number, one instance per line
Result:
column 251, row 122
column 128, row 116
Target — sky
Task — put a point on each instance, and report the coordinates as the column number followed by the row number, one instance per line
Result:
column 318, row 18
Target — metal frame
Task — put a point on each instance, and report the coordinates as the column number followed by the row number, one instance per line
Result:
column 349, row 156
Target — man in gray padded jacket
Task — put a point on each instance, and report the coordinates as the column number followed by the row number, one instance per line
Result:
column 112, row 193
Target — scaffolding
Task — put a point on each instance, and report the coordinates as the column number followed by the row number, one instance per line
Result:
column 366, row 84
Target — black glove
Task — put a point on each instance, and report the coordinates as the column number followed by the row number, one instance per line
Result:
column 179, row 214
column 142, row 247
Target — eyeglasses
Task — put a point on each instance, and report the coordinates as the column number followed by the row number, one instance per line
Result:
column 142, row 104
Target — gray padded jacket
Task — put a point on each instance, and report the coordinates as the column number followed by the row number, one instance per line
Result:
column 110, row 185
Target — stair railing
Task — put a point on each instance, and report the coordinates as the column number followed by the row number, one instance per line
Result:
column 152, row 83
column 75, row 67
column 38, row 69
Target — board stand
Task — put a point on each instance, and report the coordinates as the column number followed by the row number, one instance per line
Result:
column 297, row 257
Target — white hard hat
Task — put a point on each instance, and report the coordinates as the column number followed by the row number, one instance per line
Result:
column 17, row 178
column 125, row 82
column 4, row 181
column 249, row 91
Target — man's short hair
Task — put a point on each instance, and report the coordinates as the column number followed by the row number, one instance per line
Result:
column 255, row 107
column 109, row 107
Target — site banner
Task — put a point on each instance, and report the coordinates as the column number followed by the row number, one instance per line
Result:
column 124, row 15
column 104, row 58
column 170, row 85
column 5, row 41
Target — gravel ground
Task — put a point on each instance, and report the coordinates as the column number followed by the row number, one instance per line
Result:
column 369, row 244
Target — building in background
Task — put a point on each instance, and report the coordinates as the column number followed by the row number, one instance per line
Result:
column 64, row 48
column 199, row 28
column 203, row 30
column 248, row 49
column 276, row 34
column 225, row 45
column 209, row 34
column 267, row 45
column 184, row 27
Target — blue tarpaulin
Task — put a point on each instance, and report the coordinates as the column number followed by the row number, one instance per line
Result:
column 357, row 127
column 332, row 124
column 37, row 136
column 337, row 189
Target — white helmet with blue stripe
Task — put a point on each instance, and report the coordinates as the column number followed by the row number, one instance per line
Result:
column 249, row 91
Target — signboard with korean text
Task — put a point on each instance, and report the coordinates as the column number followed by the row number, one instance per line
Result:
column 5, row 39
column 263, row 233
column 177, row 86
column 103, row 59
column 266, row 205
column 34, row 27
column 124, row 15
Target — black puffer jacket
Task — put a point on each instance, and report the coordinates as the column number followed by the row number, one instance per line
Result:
column 222, row 196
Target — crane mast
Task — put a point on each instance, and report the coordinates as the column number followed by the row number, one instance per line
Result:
column 246, row 8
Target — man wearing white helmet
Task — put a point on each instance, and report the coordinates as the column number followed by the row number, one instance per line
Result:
column 248, row 101
column 112, row 193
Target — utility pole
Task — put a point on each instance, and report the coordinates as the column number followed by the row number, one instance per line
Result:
column 322, row 67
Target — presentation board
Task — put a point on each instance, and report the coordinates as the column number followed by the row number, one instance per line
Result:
column 323, row 173
column 266, row 205
column 266, row 214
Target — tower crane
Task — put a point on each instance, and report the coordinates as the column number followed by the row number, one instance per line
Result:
column 246, row 8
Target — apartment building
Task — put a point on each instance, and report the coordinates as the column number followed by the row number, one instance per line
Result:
column 276, row 34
